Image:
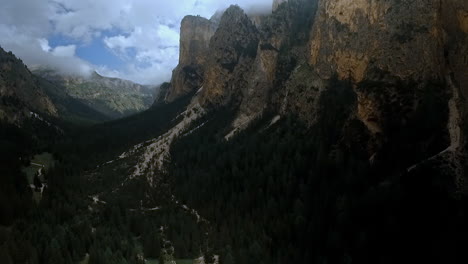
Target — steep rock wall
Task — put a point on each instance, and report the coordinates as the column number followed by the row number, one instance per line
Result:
column 406, row 62
column 195, row 35
column 233, row 49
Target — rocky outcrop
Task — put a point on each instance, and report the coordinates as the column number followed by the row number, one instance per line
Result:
column 161, row 93
column 233, row 49
column 455, row 39
column 195, row 35
column 277, row 3
column 283, row 38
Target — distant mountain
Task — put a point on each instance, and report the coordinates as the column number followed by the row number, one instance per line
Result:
column 24, row 96
column 112, row 97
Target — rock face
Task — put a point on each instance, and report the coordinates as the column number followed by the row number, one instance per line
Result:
column 372, row 41
column 403, row 59
column 250, row 59
column 354, row 37
column 195, row 35
column 20, row 92
column 233, row 49
column 386, row 42
column 403, row 65
column 277, row 3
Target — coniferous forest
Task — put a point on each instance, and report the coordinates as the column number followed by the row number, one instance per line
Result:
column 275, row 193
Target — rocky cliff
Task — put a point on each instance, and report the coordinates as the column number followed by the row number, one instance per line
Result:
column 248, row 59
column 195, row 35
column 233, row 48
column 404, row 59
column 277, row 3
column 372, row 41
column 403, row 63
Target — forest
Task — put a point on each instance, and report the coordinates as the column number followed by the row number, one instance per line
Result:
column 275, row 193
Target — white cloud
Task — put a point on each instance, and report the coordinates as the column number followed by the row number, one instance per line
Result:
column 145, row 32
column 155, row 53
column 37, row 52
column 64, row 51
column 44, row 44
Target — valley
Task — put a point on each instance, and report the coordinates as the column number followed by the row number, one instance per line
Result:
column 321, row 131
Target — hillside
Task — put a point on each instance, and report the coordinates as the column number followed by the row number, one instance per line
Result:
column 25, row 96
column 20, row 91
column 112, row 97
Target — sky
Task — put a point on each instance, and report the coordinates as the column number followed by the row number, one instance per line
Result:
column 137, row 40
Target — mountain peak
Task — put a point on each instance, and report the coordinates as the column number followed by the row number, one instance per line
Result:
column 232, row 15
column 277, row 3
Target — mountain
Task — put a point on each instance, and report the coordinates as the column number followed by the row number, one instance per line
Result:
column 20, row 91
column 26, row 96
column 324, row 132
column 305, row 46
column 378, row 88
column 111, row 97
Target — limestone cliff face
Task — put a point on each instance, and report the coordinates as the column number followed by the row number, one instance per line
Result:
column 398, row 39
column 351, row 38
column 402, row 66
column 233, row 49
column 454, row 20
column 383, row 42
column 195, row 35
column 403, row 59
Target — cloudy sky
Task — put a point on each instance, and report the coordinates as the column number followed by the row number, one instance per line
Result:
column 136, row 40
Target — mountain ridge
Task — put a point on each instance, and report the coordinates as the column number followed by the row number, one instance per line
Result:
column 113, row 97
